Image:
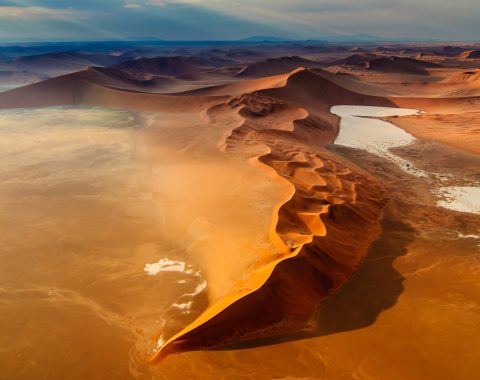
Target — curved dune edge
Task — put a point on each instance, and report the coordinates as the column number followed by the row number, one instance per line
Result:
column 259, row 276
column 330, row 189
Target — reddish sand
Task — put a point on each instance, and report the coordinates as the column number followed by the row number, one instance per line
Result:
column 342, row 219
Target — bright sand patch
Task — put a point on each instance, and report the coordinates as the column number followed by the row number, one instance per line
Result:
column 461, row 198
column 359, row 130
column 378, row 136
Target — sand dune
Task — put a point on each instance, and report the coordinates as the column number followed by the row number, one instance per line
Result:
column 470, row 54
column 243, row 86
column 12, row 79
column 111, row 77
column 327, row 225
column 59, row 63
column 452, row 50
column 461, row 84
column 275, row 66
column 356, row 59
column 168, row 66
column 400, row 65
column 78, row 89
column 464, row 77
column 281, row 123
column 457, row 129
column 243, row 54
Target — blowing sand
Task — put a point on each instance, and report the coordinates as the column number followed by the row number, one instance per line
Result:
column 119, row 199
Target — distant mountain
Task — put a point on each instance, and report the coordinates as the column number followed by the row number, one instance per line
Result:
column 360, row 37
column 264, row 39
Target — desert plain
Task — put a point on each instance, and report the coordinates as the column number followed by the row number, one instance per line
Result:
column 241, row 211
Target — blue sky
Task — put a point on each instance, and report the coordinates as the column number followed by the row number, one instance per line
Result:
column 24, row 20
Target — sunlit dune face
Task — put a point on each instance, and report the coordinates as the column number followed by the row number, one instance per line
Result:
column 218, row 208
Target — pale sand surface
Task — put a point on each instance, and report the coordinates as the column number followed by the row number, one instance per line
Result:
column 359, row 130
column 378, row 137
column 89, row 198
column 461, row 198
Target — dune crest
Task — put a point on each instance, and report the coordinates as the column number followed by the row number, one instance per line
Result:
column 325, row 229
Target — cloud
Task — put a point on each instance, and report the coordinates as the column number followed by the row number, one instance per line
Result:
column 162, row 3
column 132, row 6
column 231, row 19
column 28, row 13
column 385, row 18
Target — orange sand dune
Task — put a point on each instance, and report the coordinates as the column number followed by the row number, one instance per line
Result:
column 327, row 225
column 401, row 65
column 322, row 233
column 78, row 89
column 58, row 63
column 356, row 59
column 464, row 77
column 472, row 54
column 275, row 66
column 459, row 130
column 167, row 66
column 112, row 77
column 464, row 83
column 243, row 86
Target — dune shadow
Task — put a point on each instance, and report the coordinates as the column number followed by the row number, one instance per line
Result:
column 374, row 288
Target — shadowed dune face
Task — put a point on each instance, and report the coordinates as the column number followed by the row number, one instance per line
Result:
column 275, row 66
column 167, row 66
column 401, row 65
column 15, row 78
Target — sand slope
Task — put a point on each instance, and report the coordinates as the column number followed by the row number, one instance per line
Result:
column 275, row 66
column 400, row 65
column 79, row 89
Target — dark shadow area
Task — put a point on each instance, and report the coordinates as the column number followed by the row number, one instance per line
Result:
column 375, row 287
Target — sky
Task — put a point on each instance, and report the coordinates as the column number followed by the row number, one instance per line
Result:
column 82, row 20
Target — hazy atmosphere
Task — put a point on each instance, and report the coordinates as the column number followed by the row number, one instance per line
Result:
column 27, row 20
